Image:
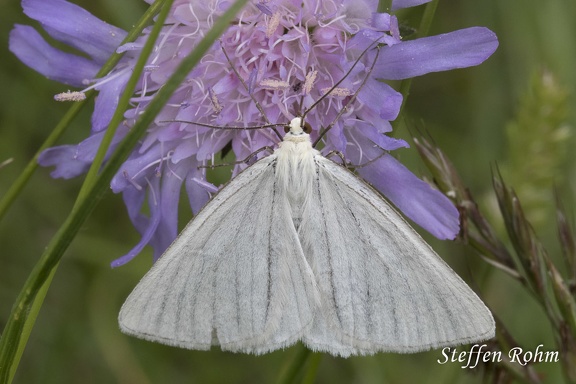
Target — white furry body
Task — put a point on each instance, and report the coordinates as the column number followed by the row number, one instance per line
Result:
column 298, row 248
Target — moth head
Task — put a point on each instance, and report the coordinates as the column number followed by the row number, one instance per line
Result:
column 297, row 127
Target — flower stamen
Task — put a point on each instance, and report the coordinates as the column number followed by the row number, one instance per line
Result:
column 338, row 92
column 70, row 96
column 309, row 81
column 216, row 106
column 131, row 181
column 272, row 24
column 209, row 187
column 275, row 85
column 104, row 80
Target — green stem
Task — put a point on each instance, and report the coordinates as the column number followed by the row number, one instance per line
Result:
column 31, row 298
column 313, row 364
column 29, row 324
column 22, row 180
column 427, row 18
column 118, row 116
column 59, row 243
column 384, row 6
column 423, row 31
column 290, row 371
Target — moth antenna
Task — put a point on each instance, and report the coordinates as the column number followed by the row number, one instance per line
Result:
column 231, row 127
column 268, row 125
column 362, row 165
column 375, row 42
column 351, row 166
column 300, row 108
column 351, row 100
column 246, row 160
column 340, row 155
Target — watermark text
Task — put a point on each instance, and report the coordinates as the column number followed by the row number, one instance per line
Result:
column 479, row 353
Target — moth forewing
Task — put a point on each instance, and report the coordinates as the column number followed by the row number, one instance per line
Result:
column 296, row 247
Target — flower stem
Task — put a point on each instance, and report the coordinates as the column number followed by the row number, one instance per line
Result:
column 290, row 371
column 313, row 364
column 423, row 31
column 31, row 167
column 11, row 337
column 117, row 118
column 10, row 341
column 29, row 324
column 385, row 6
column 24, row 177
column 30, row 300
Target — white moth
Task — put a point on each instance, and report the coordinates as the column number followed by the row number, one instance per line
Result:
column 296, row 247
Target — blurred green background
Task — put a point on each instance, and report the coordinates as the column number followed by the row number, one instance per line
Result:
column 469, row 113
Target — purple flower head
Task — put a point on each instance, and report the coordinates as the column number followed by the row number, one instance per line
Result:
column 288, row 54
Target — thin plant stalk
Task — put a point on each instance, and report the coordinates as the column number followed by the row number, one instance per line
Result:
column 9, row 343
column 18, row 185
column 422, row 31
column 31, row 298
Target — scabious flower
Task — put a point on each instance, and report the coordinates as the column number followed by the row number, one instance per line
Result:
column 288, row 53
